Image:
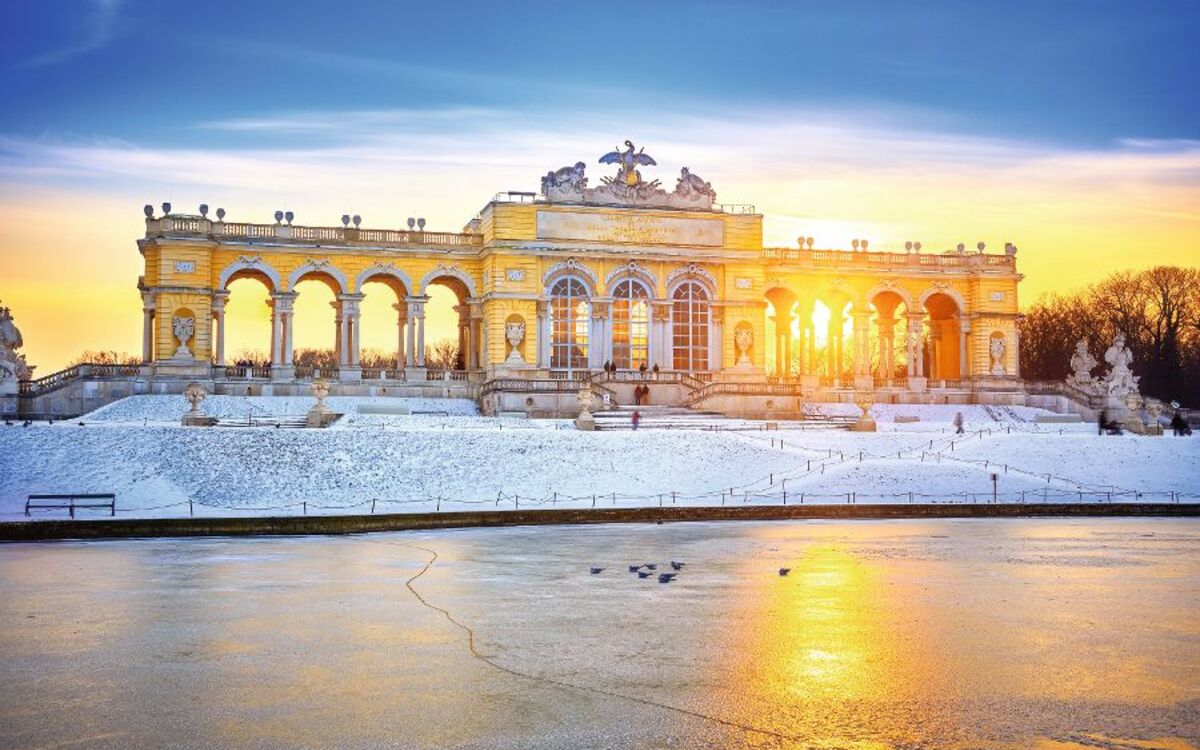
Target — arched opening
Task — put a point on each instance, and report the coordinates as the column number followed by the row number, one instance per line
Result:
column 781, row 354
column 945, row 349
column 630, row 324
column 243, row 320
column 890, row 359
column 832, row 325
column 570, row 318
column 314, row 327
column 383, row 317
column 448, row 340
column 690, row 317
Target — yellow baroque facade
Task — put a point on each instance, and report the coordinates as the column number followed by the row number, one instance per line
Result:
column 610, row 284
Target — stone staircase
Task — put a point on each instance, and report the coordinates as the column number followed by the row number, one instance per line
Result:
column 658, row 417
column 290, row 422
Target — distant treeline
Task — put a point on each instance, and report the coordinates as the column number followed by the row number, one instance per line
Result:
column 1158, row 310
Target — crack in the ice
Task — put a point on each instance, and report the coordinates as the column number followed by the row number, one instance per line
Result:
column 471, row 644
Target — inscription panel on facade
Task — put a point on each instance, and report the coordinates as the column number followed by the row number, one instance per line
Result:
column 642, row 230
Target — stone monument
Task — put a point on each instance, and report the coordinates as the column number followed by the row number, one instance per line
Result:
column 13, row 368
column 1082, row 364
column 585, row 420
column 627, row 187
column 743, row 339
column 195, row 395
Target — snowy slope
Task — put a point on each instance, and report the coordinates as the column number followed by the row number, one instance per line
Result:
column 136, row 449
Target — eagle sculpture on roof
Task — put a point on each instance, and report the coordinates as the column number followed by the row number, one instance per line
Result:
column 629, row 160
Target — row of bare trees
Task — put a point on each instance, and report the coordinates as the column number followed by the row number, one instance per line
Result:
column 441, row 355
column 1157, row 309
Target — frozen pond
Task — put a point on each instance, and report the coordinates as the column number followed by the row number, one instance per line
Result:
column 901, row 634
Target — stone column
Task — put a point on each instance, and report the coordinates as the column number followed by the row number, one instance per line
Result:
column 218, row 329
column 543, row 334
column 281, row 340
column 148, row 311
column 416, row 334
column 716, row 345
column 964, row 361
column 916, row 359
column 598, row 351
column 862, row 332
column 348, row 350
column 464, row 334
column 1016, row 350
column 887, row 347
column 475, row 362
column 401, row 318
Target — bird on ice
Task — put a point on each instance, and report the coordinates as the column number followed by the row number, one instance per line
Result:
column 597, row 570
column 666, row 577
column 784, row 571
column 676, row 565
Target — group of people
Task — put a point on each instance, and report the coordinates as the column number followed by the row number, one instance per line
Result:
column 611, row 369
column 641, row 394
column 1179, row 425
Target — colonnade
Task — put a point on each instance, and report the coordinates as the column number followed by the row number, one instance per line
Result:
column 937, row 348
column 410, row 326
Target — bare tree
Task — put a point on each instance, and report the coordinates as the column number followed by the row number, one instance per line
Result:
column 443, row 355
column 105, row 357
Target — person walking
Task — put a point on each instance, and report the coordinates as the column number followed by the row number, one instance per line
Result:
column 642, row 370
column 1101, row 422
column 958, row 423
column 637, row 417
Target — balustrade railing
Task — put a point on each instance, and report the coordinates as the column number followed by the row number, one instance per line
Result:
column 841, row 258
column 195, row 225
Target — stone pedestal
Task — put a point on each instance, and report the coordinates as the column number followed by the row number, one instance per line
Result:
column 585, row 422
column 918, row 385
column 864, row 383
column 8, row 398
column 283, row 372
column 196, row 419
column 183, row 367
column 865, row 424
column 350, row 374
column 810, row 383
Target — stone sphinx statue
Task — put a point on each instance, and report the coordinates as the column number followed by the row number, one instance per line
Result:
column 690, row 186
column 567, row 183
column 1120, row 381
column 12, row 365
column 1082, row 364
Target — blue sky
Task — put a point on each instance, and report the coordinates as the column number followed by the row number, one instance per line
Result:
column 1069, row 128
column 1085, row 73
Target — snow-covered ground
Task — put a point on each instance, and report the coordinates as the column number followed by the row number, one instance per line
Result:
column 449, row 458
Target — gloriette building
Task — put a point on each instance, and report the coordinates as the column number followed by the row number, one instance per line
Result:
column 553, row 285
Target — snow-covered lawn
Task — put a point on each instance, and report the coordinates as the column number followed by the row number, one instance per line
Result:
column 458, row 460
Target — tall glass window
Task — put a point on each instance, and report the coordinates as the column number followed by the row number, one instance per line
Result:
column 631, row 325
column 689, row 327
column 570, row 316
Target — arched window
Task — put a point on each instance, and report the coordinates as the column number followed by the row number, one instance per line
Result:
column 689, row 327
column 569, row 320
column 630, row 324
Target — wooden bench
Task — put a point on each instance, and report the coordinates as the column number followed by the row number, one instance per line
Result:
column 69, row 502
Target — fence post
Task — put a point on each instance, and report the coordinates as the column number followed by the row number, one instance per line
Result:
column 372, row 506
column 672, row 497
column 439, row 503
column 306, row 507
column 191, row 510
column 593, row 501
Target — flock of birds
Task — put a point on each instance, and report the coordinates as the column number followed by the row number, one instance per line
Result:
column 645, row 570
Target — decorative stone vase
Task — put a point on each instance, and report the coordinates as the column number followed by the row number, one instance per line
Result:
column 1153, row 410
column 515, row 334
column 864, row 400
column 195, row 395
column 996, row 348
column 320, row 415
column 586, row 398
column 184, row 329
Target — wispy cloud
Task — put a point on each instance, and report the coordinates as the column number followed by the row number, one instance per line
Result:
column 101, row 25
